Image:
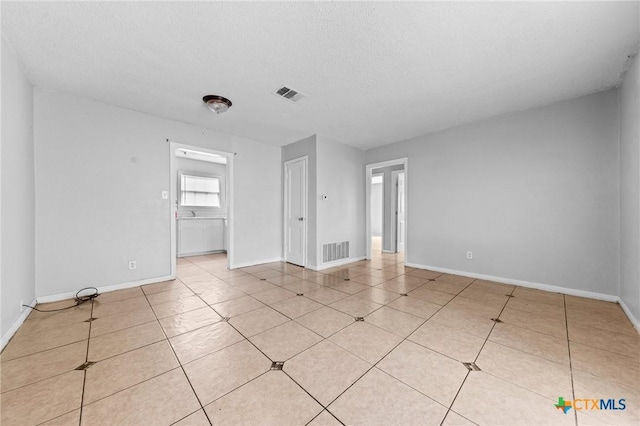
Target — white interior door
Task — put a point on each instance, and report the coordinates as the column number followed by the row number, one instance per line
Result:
column 400, row 211
column 295, row 208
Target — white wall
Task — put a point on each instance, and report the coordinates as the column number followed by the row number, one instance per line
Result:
column 341, row 177
column 376, row 209
column 18, row 193
column 100, row 171
column 630, row 190
column 533, row 194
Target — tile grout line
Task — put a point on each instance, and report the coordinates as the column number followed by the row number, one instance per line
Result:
column 476, row 358
column 102, row 398
column 566, row 331
column 313, row 397
column 245, row 338
column 392, row 349
column 573, row 388
column 323, row 338
column 232, row 326
column 282, row 287
column 316, row 343
column 179, row 363
column 528, row 354
column 86, row 359
column 190, row 414
column 318, row 415
column 48, row 349
column 42, row 351
column 291, row 319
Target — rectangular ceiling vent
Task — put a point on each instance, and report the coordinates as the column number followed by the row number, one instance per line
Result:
column 288, row 94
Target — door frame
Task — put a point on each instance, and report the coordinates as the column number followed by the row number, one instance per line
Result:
column 368, row 174
column 173, row 194
column 305, row 206
column 394, row 201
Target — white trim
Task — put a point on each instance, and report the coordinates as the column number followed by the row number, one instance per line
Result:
column 305, row 204
column 521, row 283
column 390, row 252
column 173, row 193
column 69, row 295
column 393, row 232
column 16, row 325
column 394, row 162
column 333, row 264
column 106, row 289
column 632, row 318
column 540, row 286
column 258, row 262
column 394, row 205
column 368, row 173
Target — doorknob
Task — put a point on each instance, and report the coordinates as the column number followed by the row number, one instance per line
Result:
column 301, row 219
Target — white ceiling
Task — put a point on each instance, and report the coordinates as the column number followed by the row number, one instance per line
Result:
column 374, row 72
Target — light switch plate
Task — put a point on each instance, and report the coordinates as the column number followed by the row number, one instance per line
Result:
column 165, row 195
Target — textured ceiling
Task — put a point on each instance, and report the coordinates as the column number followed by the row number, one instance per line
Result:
column 374, row 73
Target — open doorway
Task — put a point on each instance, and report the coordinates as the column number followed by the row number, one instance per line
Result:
column 377, row 213
column 391, row 235
column 201, row 204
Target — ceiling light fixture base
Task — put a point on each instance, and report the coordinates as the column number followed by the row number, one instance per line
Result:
column 217, row 104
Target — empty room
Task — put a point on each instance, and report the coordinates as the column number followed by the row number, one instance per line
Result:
column 320, row 213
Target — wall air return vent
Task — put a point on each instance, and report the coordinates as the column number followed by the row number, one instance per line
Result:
column 288, row 94
column 335, row 251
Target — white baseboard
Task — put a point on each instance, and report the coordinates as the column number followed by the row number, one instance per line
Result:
column 16, row 325
column 105, row 289
column 256, row 262
column 538, row 286
column 335, row 263
column 389, row 251
column 69, row 295
column 630, row 315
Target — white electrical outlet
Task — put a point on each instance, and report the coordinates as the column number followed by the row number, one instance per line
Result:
column 22, row 308
column 132, row 264
column 469, row 255
column 165, row 195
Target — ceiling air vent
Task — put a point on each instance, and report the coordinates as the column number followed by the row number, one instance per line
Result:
column 288, row 94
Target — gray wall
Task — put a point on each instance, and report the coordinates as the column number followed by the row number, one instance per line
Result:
column 100, row 173
column 630, row 190
column 533, row 194
column 389, row 210
column 341, row 177
column 376, row 209
column 18, row 191
column 188, row 165
column 299, row 149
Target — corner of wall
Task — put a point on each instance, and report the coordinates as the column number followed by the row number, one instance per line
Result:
column 629, row 182
column 17, row 205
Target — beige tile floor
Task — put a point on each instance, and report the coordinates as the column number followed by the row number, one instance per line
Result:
column 372, row 342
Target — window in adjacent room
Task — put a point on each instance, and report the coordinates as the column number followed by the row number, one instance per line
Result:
column 199, row 191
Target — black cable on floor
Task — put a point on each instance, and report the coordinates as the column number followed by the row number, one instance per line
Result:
column 80, row 299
